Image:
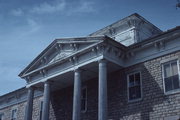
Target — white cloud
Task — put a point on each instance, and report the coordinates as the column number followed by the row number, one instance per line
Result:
column 49, row 8
column 61, row 6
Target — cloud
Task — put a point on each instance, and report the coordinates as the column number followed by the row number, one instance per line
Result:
column 81, row 7
column 60, row 6
column 85, row 6
column 31, row 27
column 17, row 12
column 49, row 8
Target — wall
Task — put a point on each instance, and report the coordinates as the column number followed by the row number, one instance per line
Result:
column 21, row 107
column 154, row 104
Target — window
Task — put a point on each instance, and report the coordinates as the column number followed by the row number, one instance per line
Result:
column 14, row 114
column 40, row 110
column 134, row 86
column 1, row 116
column 171, row 76
column 84, row 99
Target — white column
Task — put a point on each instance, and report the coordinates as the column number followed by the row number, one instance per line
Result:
column 77, row 95
column 46, row 101
column 102, row 96
column 29, row 107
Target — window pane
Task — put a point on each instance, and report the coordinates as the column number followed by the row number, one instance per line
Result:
column 132, row 93
column 84, row 93
column 131, row 80
column 174, row 68
column 168, row 84
column 83, row 99
column 83, row 104
column 176, row 81
column 138, row 92
column 167, row 70
column 137, row 79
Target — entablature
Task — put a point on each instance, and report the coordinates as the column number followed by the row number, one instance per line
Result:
column 85, row 53
column 160, row 45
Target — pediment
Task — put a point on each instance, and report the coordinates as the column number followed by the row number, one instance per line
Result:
column 58, row 50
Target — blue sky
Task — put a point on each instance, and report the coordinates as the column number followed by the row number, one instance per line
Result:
column 29, row 26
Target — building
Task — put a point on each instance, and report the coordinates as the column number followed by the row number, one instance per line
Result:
column 128, row 70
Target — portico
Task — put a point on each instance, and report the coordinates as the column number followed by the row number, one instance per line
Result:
column 84, row 60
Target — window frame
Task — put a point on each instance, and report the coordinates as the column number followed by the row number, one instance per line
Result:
column 163, row 76
column 138, row 99
column 83, row 111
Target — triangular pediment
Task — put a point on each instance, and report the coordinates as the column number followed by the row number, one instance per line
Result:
column 58, row 50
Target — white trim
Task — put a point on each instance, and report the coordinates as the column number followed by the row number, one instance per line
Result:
column 138, row 99
column 178, row 67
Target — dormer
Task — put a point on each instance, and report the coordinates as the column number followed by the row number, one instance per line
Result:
column 129, row 30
